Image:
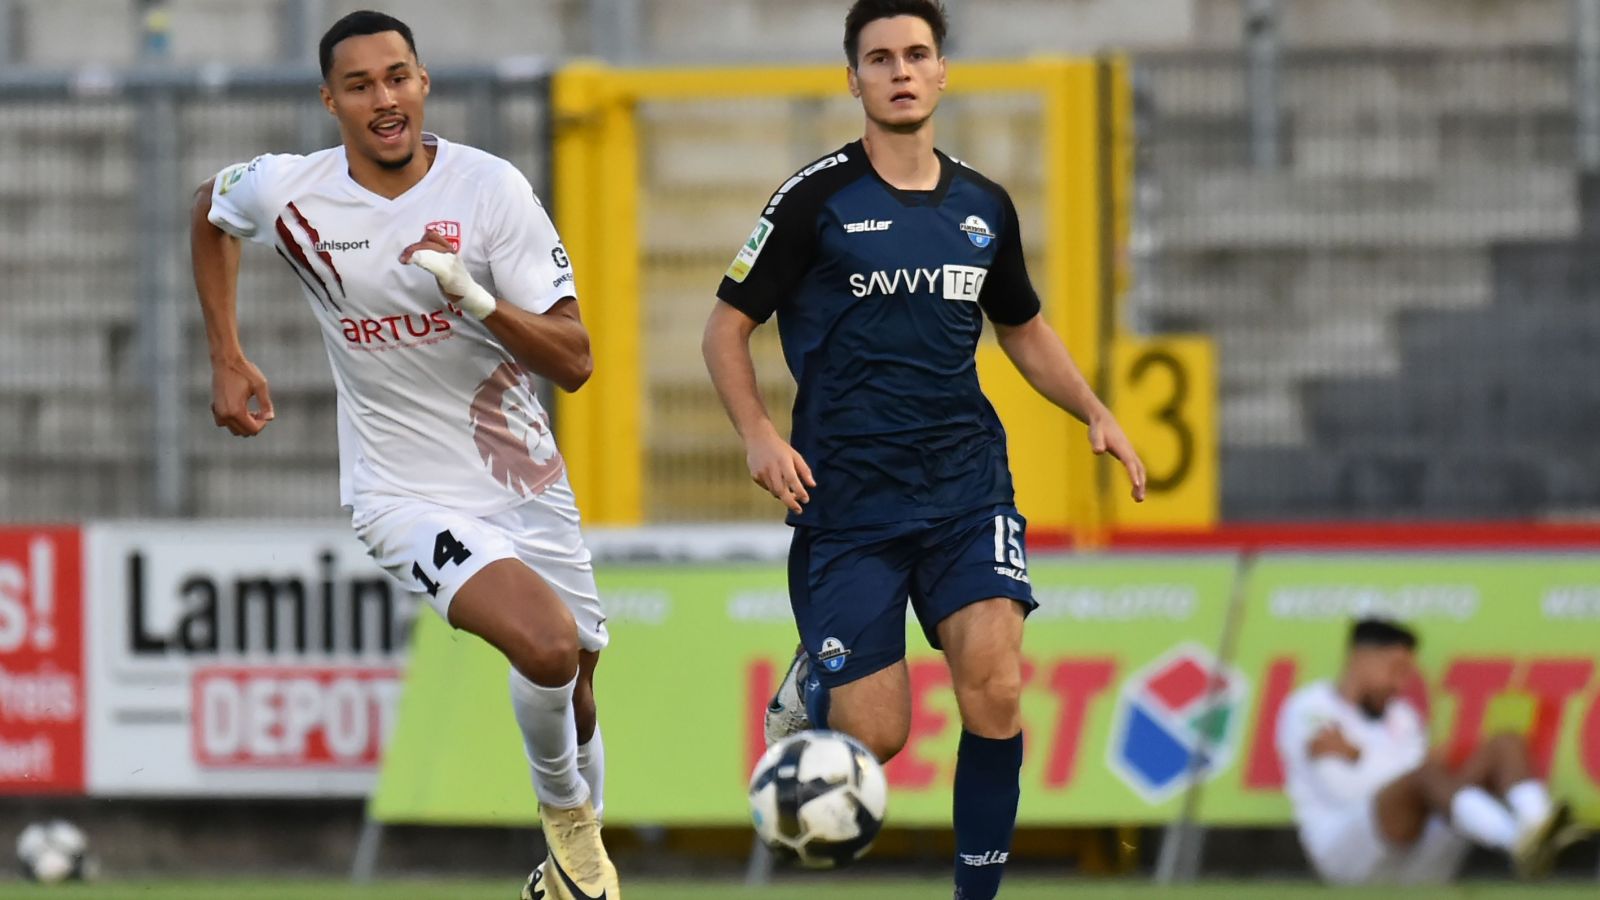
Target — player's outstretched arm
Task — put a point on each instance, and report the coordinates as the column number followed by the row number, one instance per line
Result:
column 553, row 344
column 1041, row 357
column 774, row 464
column 234, row 379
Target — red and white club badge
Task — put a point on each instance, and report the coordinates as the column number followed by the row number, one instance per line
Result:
column 450, row 231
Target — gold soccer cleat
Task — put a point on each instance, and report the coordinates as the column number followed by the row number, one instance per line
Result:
column 577, row 867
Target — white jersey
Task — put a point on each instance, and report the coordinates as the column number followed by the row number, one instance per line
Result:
column 430, row 405
column 1327, row 791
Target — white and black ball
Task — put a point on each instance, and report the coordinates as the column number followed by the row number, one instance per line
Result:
column 53, row 852
column 819, row 798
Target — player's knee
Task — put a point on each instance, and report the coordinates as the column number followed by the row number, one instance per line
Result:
column 547, row 656
column 1000, row 692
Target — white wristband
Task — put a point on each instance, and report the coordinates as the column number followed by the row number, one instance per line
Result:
column 454, row 279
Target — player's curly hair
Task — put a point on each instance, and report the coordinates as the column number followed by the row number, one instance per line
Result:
column 864, row 12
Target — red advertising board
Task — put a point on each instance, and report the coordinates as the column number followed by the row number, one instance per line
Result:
column 292, row 717
column 41, row 661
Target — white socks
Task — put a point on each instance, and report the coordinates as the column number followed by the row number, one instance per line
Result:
column 592, row 766
column 550, row 736
column 1530, row 803
column 1482, row 818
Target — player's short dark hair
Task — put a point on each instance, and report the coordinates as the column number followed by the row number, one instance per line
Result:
column 865, row 12
column 358, row 23
column 1381, row 633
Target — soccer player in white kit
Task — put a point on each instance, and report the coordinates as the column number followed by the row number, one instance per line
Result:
column 442, row 289
column 1372, row 803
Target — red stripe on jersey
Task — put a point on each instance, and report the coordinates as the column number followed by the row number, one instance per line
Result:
column 300, row 275
column 300, row 257
column 316, row 239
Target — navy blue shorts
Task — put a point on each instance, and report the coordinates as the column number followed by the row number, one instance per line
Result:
column 849, row 586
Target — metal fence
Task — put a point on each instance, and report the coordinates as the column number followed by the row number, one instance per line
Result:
column 104, row 377
column 1401, row 287
column 1403, row 291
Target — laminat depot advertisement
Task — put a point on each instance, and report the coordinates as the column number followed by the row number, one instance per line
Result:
column 239, row 660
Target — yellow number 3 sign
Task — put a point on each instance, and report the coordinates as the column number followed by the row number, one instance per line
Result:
column 1164, row 393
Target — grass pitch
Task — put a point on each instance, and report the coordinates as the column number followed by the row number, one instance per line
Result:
column 831, row 888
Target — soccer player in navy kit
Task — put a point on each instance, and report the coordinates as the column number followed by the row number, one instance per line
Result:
column 881, row 261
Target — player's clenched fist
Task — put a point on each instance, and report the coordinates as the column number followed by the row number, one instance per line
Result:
column 780, row 469
column 234, row 382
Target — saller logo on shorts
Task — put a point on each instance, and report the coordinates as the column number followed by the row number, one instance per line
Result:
column 833, row 654
column 954, row 282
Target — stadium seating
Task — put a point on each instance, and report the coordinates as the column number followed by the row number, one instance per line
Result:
column 1399, row 306
column 1382, row 301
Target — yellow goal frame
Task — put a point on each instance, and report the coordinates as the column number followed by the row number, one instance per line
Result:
column 1085, row 109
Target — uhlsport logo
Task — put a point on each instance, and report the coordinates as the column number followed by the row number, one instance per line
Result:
column 1176, row 718
column 833, row 654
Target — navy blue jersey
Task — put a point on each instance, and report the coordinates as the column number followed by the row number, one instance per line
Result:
column 880, row 296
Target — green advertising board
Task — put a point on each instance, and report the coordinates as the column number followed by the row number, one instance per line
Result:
column 1120, row 645
column 1509, row 642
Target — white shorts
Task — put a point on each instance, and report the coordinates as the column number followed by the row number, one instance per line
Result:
column 433, row 550
column 1355, row 852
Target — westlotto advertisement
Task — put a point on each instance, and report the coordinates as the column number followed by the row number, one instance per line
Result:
column 1508, row 643
column 1116, row 696
column 240, row 660
column 41, row 661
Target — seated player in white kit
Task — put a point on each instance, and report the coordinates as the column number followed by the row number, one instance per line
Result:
column 441, row 289
column 1372, row 803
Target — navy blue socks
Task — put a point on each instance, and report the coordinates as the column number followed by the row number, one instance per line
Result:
column 987, row 788
column 816, row 698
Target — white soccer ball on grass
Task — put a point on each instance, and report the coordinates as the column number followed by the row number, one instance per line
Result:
column 53, row 852
column 818, row 797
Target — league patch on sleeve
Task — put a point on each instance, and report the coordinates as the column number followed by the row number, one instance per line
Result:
column 750, row 251
column 231, row 177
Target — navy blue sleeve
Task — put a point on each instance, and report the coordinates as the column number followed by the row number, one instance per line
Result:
column 773, row 260
column 1008, row 297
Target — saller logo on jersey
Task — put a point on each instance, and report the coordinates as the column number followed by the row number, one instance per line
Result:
column 868, row 225
column 954, row 282
column 750, row 251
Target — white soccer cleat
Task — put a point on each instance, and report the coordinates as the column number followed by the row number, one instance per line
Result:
column 578, row 867
column 535, row 889
column 786, row 714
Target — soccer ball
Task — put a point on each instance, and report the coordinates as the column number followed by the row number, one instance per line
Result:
column 818, row 797
column 53, row 852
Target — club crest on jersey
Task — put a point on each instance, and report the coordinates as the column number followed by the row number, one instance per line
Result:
column 450, row 231
column 833, row 654
column 978, row 232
